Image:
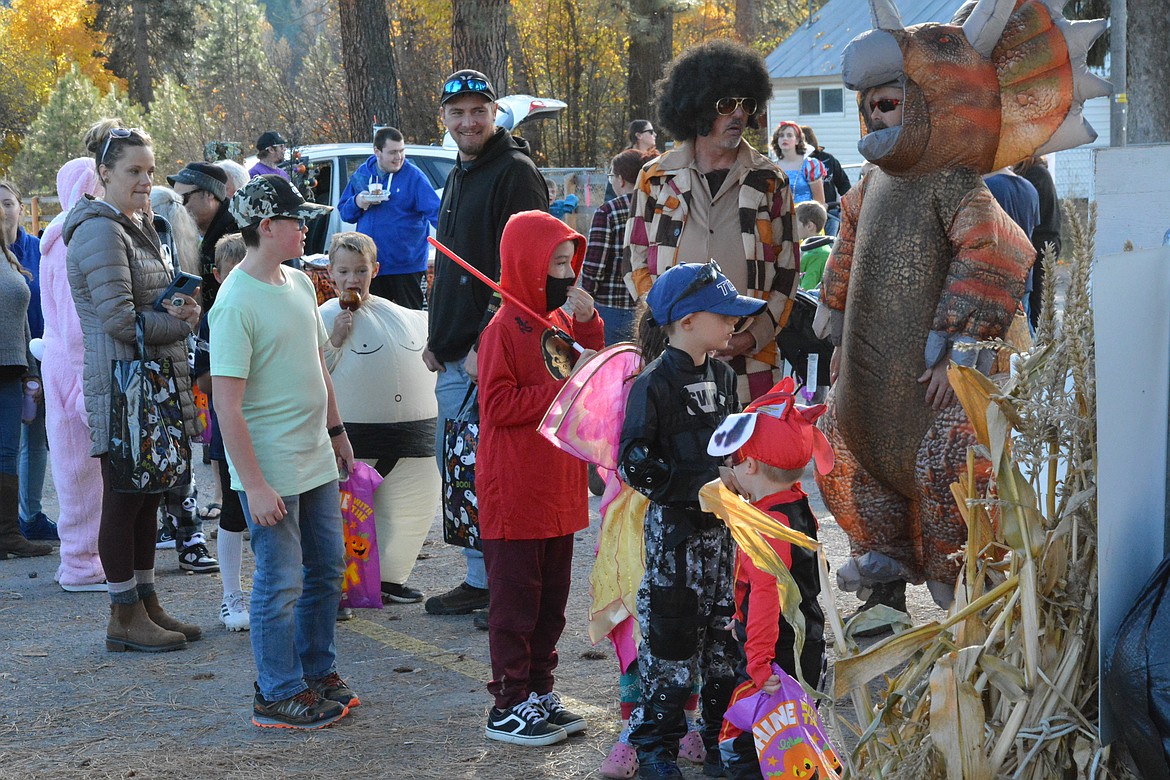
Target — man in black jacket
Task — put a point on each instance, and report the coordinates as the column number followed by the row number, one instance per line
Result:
column 494, row 179
column 203, row 188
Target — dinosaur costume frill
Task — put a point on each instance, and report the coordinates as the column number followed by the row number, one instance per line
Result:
column 927, row 260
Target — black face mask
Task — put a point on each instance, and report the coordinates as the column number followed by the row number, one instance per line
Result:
column 556, row 292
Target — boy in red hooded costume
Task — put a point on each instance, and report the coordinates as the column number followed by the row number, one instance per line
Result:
column 532, row 496
column 766, row 450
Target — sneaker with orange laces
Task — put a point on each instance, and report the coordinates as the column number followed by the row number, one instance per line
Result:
column 305, row 710
column 333, row 688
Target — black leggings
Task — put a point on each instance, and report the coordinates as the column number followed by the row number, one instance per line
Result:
column 127, row 534
column 231, row 516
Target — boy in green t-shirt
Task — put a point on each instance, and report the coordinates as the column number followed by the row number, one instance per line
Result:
column 285, row 443
column 814, row 245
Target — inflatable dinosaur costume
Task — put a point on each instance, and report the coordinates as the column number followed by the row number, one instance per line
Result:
column 927, row 260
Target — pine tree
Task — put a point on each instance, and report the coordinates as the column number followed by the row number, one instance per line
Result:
column 232, row 70
column 147, row 40
column 177, row 127
column 55, row 137
column 370, row 83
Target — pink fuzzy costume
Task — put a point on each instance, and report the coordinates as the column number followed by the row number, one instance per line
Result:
column 76, row 475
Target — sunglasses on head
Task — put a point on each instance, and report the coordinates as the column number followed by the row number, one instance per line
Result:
column 706, row 277
column 465, row 83
column 121, row 133
column 885, row 105
column 726, row 106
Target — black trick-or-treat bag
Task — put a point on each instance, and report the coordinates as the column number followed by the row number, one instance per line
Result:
column 460, row 508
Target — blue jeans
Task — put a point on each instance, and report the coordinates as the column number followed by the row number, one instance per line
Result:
column 619, row 323
column 34, row 454
column 11, row 400
column 451, row 388
column 296, row 591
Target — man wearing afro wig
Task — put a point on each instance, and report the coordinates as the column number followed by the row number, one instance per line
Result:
column 715, row 197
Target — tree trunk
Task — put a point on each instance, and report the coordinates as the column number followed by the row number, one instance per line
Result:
column 141, row 87
column 371, row 85
column 479, row 39
column 651, row 38
column 1147, row 63
column 747, row 20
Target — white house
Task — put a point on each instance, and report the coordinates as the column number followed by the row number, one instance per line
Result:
column 807, row 88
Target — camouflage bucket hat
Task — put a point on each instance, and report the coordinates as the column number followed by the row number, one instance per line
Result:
column 270, row 196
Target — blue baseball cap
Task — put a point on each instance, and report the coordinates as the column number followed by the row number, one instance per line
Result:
column 692, row 287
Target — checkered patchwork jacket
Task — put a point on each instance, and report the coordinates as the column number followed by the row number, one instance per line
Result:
column 660, row 212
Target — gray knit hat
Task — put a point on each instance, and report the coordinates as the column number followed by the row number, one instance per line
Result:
column 205, row 176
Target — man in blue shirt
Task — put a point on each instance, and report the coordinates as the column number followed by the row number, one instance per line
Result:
column 392, row 202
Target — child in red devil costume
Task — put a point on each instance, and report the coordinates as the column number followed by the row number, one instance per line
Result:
column 532, row 496
column 766, row 450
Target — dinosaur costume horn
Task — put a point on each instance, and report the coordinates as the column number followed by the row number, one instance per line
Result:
column 885, row 15
column 984, row 26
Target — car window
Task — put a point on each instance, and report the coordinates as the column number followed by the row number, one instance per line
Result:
column 436, row 168
column 352, row 164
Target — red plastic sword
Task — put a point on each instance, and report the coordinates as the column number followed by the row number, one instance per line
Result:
column 504, row 293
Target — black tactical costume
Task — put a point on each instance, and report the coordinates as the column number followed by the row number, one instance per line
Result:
column 686, row 599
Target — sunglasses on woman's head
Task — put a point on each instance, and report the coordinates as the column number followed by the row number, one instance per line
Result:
column 121, row 133
column 885, row 105
column 726, row 106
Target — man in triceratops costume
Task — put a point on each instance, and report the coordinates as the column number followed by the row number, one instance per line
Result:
column 927, row 262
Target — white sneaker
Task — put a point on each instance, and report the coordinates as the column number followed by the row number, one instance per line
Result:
column 233, row 612
column 85, row 587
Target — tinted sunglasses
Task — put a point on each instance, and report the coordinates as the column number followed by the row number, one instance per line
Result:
column 299, row 220
column 704, row 278
column 457, row 84
column 186, row 196
column 885, row 105
column 726, row 106
column 734, row 459
column 121, row 133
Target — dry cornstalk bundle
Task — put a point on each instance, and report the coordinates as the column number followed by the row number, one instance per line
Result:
column 1006, row 684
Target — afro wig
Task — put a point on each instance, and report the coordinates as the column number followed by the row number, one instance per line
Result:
column 685, row 97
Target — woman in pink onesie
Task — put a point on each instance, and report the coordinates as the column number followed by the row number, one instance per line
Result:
column 76, row 475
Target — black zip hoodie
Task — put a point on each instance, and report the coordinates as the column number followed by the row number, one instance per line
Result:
column 479, row 197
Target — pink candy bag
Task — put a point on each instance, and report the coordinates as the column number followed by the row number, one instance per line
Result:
column 790, row 739
column 363, row 572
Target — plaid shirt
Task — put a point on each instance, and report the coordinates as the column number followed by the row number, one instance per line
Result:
column 602, row 272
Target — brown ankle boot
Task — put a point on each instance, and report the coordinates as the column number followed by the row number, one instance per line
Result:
column 131, row 628
column 161, row 619
column 12, row 541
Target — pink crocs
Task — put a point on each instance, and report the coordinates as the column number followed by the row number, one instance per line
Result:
column 691, row 748
column 622, row 762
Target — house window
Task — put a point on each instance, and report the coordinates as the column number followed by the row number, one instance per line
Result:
column 821, row 101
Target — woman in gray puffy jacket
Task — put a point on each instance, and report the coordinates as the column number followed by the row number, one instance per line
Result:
column 117, row 270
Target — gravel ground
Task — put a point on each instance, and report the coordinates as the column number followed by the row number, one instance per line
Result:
column 73, row 710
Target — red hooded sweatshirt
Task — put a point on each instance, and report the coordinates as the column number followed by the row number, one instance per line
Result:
column 527, row 488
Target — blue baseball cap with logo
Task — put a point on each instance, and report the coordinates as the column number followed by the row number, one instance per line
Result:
column 693, row 287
